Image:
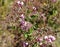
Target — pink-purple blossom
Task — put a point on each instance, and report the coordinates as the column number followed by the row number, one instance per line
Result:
column 22, row 16
column 34, row 8
column 25, row 44
column 20, row 3
column 39, row 39
column 53, row 0
column 25, row 25
column 50, row 38
column 46, row 37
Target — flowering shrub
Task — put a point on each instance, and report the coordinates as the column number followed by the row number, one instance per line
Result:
column 33, row 22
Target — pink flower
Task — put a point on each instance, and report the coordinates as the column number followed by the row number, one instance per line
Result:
column 22, row 22
column 49, row 40
column 46, row 37
column 18, row 2
column 39, row 39
column 22, row 16
column 34, row 8
column 53, row 0
column 22, row 3
column 52, row 37
column 41, row 43
column 25, row 44
column 26, row 25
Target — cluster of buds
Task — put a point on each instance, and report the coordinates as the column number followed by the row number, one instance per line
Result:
column 20, row 3
column 49, row 38
column 22, row 18
column 25, row 25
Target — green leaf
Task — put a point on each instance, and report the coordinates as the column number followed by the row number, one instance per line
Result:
column 26, row 35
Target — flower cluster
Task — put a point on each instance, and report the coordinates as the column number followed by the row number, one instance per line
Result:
column 46, row 40
column 34, row 19
column 50, row 38
column 20, row 3
column 25, row 25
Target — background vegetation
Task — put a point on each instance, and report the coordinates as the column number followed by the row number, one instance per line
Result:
column 7, row 37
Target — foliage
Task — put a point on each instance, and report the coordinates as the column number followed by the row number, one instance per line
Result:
column 34, row 23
